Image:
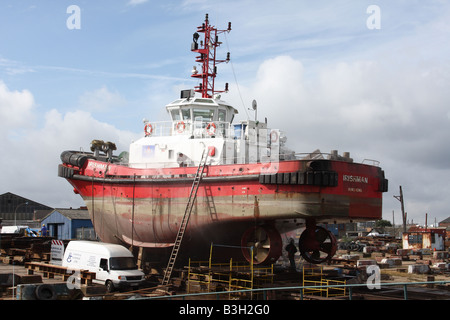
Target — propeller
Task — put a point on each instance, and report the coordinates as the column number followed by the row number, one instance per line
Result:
column 317, row 246
column 260, row 244
column 265, row 241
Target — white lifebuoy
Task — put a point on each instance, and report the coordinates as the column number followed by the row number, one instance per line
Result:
column 180, row 126
column 148, row 129
column 211, row 128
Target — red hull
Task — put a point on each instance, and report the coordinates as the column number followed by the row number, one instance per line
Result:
column 147, row 205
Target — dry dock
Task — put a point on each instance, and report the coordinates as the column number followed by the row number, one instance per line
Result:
column 411, row 277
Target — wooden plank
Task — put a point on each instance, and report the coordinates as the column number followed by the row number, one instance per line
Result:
column 50, row 271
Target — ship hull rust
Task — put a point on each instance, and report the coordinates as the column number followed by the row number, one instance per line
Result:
column 146, row 207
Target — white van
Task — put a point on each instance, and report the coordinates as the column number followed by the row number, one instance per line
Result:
column 14, row 229
column 113, row 264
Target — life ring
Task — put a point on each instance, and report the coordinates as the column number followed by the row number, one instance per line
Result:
column 148, row 129
column 180, row 126
column 274, row 136
column 211, row 128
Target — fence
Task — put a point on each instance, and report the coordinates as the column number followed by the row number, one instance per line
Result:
column 264, row 291
column 231, row 276
column 316, row 284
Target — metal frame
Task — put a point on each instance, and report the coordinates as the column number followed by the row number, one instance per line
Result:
column 298, row 288
column 228, row 274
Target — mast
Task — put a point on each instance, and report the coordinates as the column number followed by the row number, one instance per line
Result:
column 207, row 58
column 400, row 198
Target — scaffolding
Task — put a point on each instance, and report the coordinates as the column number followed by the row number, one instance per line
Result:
column 231, row 276
column 313, row 277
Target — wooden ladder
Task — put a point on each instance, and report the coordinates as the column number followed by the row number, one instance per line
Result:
column 187, row 214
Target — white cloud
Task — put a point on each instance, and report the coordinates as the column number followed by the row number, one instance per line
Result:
column 33, row 171
column 136, row 2
column 15, row 108
column 101, row 100
column 394, row 113
column 12, row 67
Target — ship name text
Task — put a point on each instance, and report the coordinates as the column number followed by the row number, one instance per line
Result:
column 96, row 165
column 350, row 178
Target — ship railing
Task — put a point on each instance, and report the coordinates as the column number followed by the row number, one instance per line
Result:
column 238, row 160
column 375, row 163
column 317, row 155
column 220, row 161
column 193, row 129
column 288, row 156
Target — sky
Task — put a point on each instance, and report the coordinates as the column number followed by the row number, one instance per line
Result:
column 367, row 77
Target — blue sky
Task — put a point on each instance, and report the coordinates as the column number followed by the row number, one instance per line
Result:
column 315, row 68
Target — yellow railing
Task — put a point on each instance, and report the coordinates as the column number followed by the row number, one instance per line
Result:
column 195, row 276
column 313, row 276
column 335, row 291
column 232, row 276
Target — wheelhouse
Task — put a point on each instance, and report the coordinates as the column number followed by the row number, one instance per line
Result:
column 206, row 110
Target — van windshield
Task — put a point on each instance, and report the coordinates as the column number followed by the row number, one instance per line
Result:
column 122, row 263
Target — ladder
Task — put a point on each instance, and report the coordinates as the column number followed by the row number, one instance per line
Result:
column 211, row 205
column 187, row 214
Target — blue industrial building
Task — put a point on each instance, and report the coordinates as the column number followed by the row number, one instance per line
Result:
column 67, row 224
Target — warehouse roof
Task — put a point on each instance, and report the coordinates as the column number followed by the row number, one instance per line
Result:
column 73, row 214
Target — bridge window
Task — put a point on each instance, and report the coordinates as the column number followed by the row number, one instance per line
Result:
column 175, row 114
column 222, row 115
column 204, row 100
column 204, row 114
column 186, row 114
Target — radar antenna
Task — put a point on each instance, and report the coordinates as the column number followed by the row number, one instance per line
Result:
column 207, row 58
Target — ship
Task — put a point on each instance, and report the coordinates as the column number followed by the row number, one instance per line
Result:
column 244, row 187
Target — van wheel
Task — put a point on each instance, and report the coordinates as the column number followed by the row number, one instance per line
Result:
column 109, row 286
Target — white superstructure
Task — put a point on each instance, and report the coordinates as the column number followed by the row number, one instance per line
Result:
column 203, row 123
